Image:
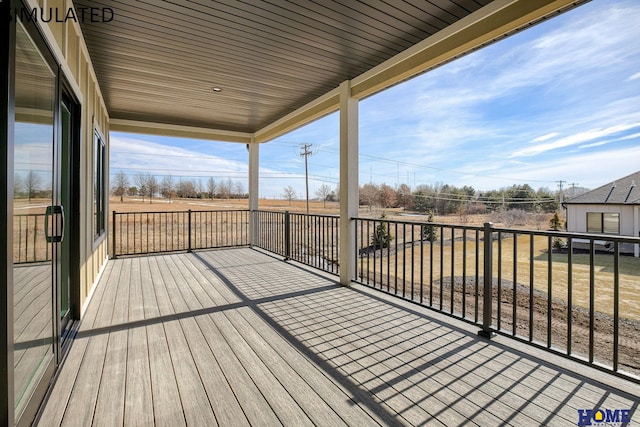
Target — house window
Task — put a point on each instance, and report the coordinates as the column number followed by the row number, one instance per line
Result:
column 99, row 193
column 603, row 222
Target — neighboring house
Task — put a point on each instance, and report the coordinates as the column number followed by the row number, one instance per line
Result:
column 613, row 208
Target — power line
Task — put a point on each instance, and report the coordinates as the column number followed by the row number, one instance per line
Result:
column 415, row 165
column 418, row 166
column 376, row 158
column 485, row 201
column 187, row 156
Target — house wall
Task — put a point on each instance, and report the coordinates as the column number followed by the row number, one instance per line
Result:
column 67, row 43
column 577, row 217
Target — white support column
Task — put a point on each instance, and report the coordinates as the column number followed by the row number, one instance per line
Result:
column 348, row 182
column 254, row 191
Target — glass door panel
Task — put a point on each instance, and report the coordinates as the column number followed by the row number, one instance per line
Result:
column 34, row 251
column 64, row 167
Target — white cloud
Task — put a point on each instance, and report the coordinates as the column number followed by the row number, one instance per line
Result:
column 575, row 139
column 138, row 155
column 609, row 141
column 589, row 169
column 545, row 137
column 636, row 76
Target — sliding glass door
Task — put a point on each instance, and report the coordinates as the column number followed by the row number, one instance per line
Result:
column 37, row 221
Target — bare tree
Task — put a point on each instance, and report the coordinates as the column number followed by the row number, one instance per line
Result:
column 224, row 188
column 368, row 194
column 323, row 193
column 167, row 187
column 120, row 185
column 32, row 183
column 289, row 194
column 211, row 187
column 238, row 189
column 404, row 198
column 141, row 183
column 199, row 189
column 152, row 186
column 17, row 186
column 229, row 188
column 187, row 189
column 386, row 196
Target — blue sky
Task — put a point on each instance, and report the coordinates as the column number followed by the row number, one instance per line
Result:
column 560, row 101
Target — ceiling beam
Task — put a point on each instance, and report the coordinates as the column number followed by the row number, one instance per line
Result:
column 320, row 107
column 179, row 131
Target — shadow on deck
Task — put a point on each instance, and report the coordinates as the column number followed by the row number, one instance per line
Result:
column 237, row 337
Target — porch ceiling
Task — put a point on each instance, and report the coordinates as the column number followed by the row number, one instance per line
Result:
column 277, row 62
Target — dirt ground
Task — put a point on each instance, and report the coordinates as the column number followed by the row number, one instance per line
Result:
column 467, row 297
column 135, row 204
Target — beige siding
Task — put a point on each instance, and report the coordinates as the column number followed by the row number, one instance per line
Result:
column 577, row 217
column 71, row 51
column 58, row 30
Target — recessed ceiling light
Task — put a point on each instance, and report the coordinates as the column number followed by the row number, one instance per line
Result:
column 216, row 89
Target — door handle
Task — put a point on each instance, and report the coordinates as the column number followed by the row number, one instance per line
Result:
column 55, row 212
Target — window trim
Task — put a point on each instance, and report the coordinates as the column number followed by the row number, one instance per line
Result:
column 601, row 229
column 99, row 186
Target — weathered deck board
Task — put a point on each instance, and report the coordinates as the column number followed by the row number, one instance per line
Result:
column 237, row 337
column 32, row 313
column 139, row 409
column 194, row 401
column 254, row 343
column 55, row 408
column 167, row 406
column 86, row 390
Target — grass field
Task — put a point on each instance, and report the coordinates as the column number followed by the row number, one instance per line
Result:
column 525, row 266
column 135, row 204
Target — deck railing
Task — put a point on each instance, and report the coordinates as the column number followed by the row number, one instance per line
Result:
column 309, row 239
column 573, row 294
column 29, row 243
column 417, row 261
column 136, row 233
column 570, row 293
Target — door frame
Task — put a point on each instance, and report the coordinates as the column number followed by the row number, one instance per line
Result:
column 72, row 227
column 7, row 49
column 72, row 211
column 38, row 392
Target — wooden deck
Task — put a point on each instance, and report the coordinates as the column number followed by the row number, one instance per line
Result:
column 32, row 324
column 237, row 337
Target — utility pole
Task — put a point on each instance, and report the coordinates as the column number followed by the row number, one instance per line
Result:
column 562, row 199
column 573, row 188
column 306, row 153
column 560, row 183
